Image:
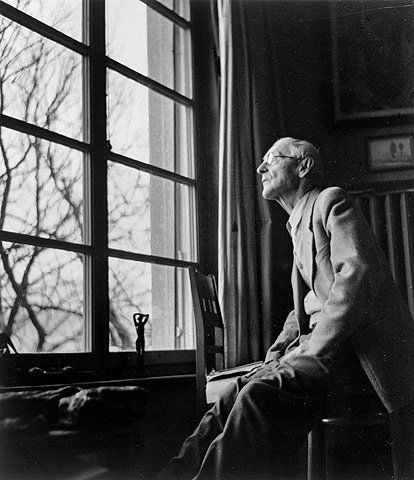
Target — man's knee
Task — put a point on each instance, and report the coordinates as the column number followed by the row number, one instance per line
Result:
column 268, row 398
column 252, row 390
column 232, row 390
column 256, row 393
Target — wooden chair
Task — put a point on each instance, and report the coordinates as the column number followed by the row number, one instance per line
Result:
column 352, row 415
column 210, row 357
column 209, row 332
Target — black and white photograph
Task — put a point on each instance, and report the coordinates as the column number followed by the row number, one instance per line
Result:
column 207, row 239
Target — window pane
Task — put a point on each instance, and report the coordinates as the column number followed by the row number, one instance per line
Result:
column 149, row 214
column 63, row 15
column 41, row 299
column 162, row 292
column 41, row 187
column 149, row 43
column 41, row 81
column 149, row 127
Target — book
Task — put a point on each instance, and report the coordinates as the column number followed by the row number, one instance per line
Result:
column 217, row 381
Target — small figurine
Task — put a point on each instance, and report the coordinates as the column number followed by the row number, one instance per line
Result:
column 5, row 342
column 140, row 319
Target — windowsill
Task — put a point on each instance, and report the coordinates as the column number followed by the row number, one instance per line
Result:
column 98, row 383
column 38, row 370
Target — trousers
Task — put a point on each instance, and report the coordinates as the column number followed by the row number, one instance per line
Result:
column 254, row 430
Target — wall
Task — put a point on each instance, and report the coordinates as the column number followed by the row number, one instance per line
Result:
column 303, row 41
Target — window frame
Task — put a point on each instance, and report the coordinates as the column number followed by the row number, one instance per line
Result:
column 96, row 151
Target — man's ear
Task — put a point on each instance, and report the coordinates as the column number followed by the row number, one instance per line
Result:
column 305, row 166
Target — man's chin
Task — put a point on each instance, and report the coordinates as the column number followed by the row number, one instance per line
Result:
column 267, row 195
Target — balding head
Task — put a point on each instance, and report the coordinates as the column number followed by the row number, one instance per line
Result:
column 301, row 149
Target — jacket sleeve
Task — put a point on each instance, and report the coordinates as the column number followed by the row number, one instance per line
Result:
column 355, row 260
column 286, row 336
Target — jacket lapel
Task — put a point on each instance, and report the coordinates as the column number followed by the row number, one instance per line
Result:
column 308, row 249
column 298, row 286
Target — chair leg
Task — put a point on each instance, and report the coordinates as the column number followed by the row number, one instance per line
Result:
column 317, row 453
column 402, row 442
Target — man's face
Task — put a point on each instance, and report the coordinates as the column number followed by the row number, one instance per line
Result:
column 279, row 172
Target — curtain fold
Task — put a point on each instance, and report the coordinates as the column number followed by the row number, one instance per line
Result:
column 254, row 247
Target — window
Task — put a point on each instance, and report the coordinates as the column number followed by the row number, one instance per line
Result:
column 97, row 178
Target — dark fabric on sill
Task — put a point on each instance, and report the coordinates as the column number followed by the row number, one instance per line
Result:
column 70, row 407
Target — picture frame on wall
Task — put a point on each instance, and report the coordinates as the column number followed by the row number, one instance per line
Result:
column 390, row 152
column 372, row 58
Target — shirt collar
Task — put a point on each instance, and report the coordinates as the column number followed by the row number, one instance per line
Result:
column 297, row 213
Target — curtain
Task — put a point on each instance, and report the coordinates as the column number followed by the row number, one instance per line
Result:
column 254, row 251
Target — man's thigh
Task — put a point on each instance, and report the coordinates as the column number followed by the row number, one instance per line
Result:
column 301, row 374
column 288, row 386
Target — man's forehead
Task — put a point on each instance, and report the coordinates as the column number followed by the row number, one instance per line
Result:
column 281, row 147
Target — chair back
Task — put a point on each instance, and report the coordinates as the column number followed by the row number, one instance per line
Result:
column 209, row 330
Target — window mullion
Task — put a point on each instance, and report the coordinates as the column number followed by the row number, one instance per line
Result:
column 30, row 129
column 152, row 169
column 98, row 279
column 148, row 82
column 168, row 13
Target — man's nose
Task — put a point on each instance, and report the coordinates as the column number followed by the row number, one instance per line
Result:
column 262, row 167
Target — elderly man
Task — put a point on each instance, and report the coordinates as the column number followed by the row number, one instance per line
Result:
column 347, row 313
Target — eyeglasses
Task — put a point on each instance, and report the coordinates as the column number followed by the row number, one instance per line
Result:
column 270, row 159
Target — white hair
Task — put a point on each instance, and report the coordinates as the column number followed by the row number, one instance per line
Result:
column 301, row 149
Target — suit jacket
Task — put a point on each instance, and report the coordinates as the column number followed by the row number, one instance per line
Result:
column 361, row 305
